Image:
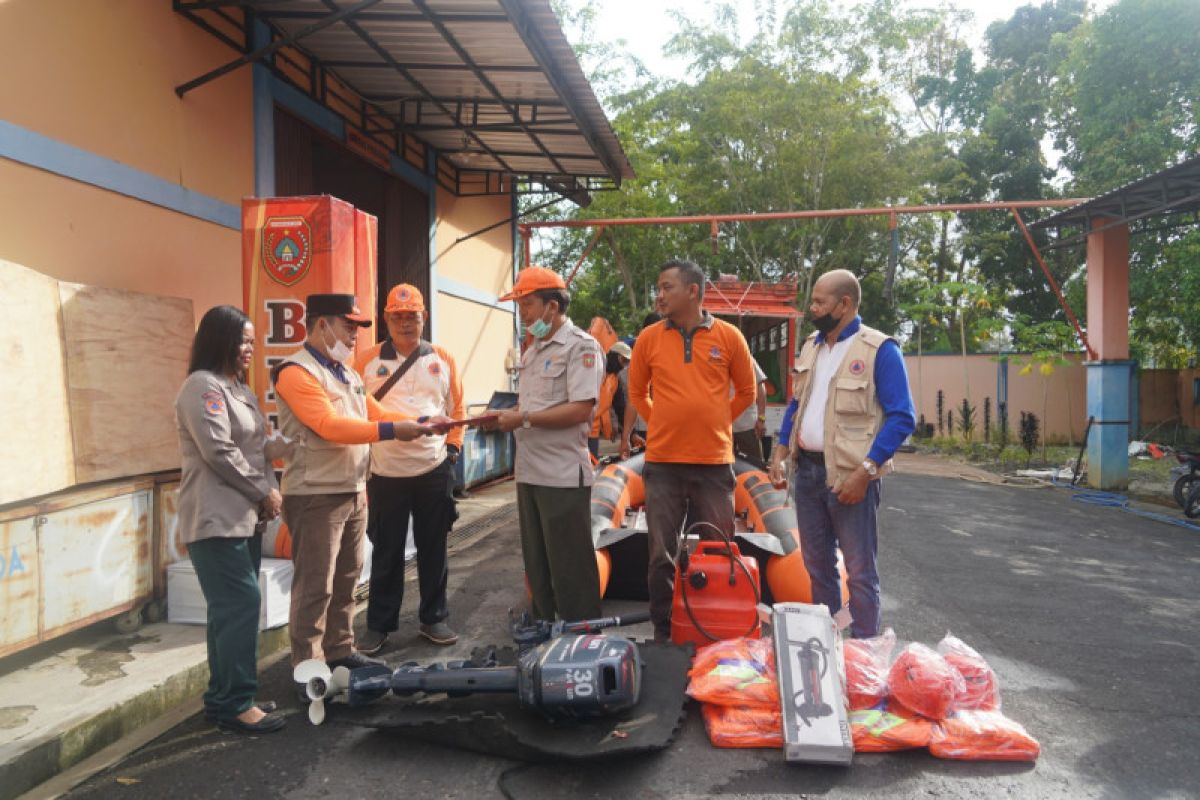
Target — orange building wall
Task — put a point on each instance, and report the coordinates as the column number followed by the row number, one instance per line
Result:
column 479, row 336
column 76, row 232
column 484, row 262
column 100, row 76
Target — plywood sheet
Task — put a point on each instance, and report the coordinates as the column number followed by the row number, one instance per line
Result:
column 36, row 454
column 126, row 356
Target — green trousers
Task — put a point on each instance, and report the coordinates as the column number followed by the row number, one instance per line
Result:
column 228, row 572
column 556, row 541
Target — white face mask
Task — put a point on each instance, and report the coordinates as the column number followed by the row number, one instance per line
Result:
column 338, row 351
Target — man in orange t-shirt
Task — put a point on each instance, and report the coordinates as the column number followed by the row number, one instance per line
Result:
column 689, row 360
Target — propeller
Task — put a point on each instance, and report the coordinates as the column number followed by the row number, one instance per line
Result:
column 320, row 684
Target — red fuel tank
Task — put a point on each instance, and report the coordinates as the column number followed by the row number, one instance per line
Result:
column 715, row 598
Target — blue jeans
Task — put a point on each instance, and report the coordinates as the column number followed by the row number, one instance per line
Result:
column 825, row 524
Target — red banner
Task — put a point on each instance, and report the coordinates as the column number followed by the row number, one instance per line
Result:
column 293, row 247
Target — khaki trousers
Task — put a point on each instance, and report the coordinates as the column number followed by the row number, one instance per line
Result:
column 327, row 554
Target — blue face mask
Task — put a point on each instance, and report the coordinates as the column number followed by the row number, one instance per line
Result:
column 540, row 329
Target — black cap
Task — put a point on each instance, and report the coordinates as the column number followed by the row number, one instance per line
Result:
column 335, row 305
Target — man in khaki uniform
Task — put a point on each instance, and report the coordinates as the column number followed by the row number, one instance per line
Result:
column 561, row 370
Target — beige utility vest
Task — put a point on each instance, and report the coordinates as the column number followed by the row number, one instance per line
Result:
column 853, row 415
column 319, row 466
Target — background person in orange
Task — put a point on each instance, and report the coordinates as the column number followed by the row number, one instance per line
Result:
column 603, row 423
column 689, row 360
column 561, row 371
column 330, row 419
column 415, row 479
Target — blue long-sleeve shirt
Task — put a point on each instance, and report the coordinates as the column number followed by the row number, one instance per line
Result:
column 891, row 387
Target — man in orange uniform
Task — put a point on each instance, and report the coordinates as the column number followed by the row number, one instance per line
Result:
column 330, row 420
column 689, row 360
column 410, row 479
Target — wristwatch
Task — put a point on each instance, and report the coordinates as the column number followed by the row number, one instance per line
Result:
column 525, row 423
column 870, row 467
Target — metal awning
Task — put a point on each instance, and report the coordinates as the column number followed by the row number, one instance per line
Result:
column 1174, row 190
column 729, row 297
column 492, row 86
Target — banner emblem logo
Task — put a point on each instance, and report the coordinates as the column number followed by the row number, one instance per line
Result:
column 286, row 249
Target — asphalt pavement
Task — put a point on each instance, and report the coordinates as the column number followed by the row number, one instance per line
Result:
column 1086, row 613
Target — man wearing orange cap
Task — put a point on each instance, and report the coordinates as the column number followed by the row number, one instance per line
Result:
column 412, row 479
column 561, row 371
column 330, row 420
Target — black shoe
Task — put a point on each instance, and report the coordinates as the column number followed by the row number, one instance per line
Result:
column 439, row 633
column 371, row 642
column 268, row 724
column 267, row 706
column 354, row 661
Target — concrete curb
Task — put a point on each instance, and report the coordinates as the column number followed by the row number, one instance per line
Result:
column 63, row 749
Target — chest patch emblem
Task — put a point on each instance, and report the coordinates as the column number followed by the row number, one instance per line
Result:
column 857, row 367
column 715, row 354
column 589, row 360
column 435, row 368
column 382, row 371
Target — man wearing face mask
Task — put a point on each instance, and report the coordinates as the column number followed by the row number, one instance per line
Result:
column 331, row 421
column 561, row 371
column 851, row 409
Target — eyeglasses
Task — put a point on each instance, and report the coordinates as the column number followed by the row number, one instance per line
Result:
column 402, row 316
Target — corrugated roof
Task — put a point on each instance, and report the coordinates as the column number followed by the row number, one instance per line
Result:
column 733, row 298
column 1174, row 190
column 492, row 85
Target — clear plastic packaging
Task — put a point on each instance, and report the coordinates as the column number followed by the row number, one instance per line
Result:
column 867, row 669
column 923, row 681
column 743, row 726
column 981, row 690
column 735, row 672
column 982, row 736
column 888, row 729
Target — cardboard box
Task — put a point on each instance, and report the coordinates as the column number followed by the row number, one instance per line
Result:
column 186, row 605
column 808, row 653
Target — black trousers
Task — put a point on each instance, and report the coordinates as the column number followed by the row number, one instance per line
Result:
column 427, row 499
column 675, row 492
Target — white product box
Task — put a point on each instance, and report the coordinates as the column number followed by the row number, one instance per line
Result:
column 185, row 601
column 808, row 652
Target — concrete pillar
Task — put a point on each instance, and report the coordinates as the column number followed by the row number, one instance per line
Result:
column 1110, row 374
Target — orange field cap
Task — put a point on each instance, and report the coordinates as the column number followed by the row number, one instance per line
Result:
column 531, row 279
column 405, row 297
column 335, row 305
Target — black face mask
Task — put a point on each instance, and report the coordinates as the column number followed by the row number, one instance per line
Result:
column 825, row 323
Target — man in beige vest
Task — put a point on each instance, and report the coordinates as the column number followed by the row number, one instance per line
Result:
column 851, row 409
column 331, row 422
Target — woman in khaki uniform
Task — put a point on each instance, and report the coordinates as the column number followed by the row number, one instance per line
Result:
column 227, row 488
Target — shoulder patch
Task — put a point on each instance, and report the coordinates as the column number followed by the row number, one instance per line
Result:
column 435, row 367
column 589, row 360
column 214, row 402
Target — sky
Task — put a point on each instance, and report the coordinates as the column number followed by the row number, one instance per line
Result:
column 645, row 25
